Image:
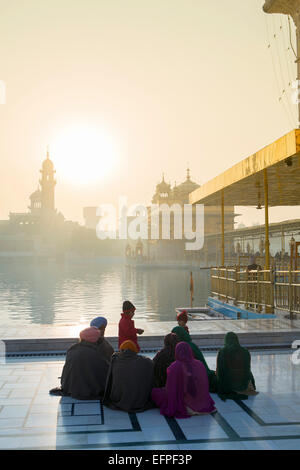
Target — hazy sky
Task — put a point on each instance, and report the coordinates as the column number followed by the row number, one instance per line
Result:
column 164, row 83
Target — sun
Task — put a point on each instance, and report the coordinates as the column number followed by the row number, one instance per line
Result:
column 83, row 154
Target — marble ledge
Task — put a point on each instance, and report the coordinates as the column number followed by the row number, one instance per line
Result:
column 33, row 338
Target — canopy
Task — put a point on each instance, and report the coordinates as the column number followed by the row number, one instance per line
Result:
column 243, row 184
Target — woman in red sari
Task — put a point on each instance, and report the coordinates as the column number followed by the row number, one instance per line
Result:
column 187, row 389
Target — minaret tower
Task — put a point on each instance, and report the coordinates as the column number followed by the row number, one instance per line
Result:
column 47, row 183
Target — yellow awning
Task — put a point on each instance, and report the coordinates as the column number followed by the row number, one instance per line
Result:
column 243, row 184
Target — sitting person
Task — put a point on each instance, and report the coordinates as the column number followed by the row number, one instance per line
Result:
column 103, row 345
column 164, row 359
column 127, row 330
column 235, row 379
column 187, row 389
column 182, row 319
column 85, row 370
column 184, row 336
column 129, row 381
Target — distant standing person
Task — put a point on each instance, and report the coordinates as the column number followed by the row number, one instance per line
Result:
column 103, row 345
column 253, row 266
column 127, row 330
column 234, row 376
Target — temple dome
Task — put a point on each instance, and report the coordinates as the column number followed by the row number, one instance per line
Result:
column 48, row 164
column 163, row 187
column 36, row 195
column 187, row 187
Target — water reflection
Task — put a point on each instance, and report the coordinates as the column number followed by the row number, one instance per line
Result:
column 68, row 294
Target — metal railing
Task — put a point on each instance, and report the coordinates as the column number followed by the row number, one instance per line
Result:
column 287, row 290
column 261, row 290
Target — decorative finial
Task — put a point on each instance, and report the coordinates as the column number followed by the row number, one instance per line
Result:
column 188, row 173
column 48, row 152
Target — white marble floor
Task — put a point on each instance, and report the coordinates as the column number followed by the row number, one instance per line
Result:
column 32, row 419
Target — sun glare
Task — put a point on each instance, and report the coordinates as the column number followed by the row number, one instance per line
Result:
column 83, row 154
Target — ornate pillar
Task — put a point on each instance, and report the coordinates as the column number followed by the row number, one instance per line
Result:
column 223, row 231
column 292, row 8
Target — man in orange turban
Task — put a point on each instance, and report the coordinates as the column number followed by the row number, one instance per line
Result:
column 129, row 345
column 130, row 380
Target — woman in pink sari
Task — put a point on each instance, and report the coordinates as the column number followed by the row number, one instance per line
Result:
column 187, row 389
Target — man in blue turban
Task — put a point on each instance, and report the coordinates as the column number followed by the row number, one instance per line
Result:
column 99, row 322
column 103, row 345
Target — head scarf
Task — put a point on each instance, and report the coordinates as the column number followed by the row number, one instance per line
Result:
column 183, row 335
column 184, row 354
column 234, row 368
column 91, row 334
column 98, row 322
column 129, row 345
column 170, row 341
column 183, row 316
column 231, row 341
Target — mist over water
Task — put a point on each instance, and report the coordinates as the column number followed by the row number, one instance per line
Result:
column 74, row 293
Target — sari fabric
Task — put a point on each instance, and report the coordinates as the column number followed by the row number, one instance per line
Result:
column 164, row 359
column 187, row 388
column 234, row 370
column 184, row 336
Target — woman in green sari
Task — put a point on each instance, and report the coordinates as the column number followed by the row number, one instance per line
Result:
column 183, row 335
column 235, row 379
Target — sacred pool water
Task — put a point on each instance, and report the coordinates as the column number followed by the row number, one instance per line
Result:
column 60, row 294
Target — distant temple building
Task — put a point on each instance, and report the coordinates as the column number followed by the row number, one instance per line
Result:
column 42, row 201
column 165, row 194
column 171, row 200
column 42, row 231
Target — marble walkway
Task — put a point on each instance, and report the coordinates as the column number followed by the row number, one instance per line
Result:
column 19, row 331
column 35, row 337
column 32, row 419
